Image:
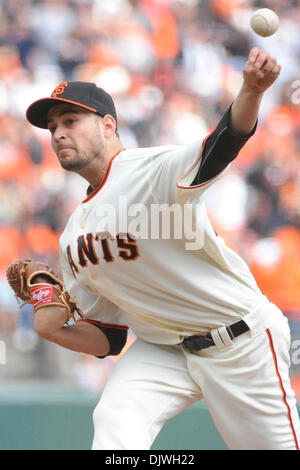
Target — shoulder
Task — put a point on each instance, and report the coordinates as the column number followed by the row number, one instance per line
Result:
column 144, row 153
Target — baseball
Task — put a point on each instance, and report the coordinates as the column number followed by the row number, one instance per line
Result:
column 264, row 22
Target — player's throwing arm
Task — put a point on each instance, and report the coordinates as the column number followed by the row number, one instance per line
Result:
column 260, row 72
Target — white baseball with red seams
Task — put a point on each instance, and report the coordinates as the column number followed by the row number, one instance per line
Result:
column 264, row 22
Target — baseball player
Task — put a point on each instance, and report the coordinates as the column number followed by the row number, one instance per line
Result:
column 204, row 329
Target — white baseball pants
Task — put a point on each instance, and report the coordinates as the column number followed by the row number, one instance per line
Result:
column 245, row 385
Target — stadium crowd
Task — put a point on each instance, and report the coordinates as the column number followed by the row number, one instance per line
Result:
column 173, row 67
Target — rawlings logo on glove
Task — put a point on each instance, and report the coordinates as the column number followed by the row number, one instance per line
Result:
column 24, row 277
column 40, row 295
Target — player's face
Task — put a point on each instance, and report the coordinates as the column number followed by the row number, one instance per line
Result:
column 76, row 136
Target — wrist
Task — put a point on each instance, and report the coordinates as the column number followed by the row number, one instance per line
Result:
column 49, row 320
column 251, row 90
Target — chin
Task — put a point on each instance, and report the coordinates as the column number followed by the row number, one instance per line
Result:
column 71, row 165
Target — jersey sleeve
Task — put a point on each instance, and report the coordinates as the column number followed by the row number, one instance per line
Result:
column 97, row 310
column 175, row 172
column 186, row 189
column 189, row 171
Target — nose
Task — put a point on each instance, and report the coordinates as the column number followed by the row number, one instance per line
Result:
column 59, row 134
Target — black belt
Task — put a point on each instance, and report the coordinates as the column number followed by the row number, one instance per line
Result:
column 198, row 342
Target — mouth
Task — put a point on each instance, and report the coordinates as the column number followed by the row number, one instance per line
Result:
column 64, row 149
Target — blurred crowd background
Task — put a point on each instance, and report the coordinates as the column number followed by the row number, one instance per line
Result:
column 173, row 67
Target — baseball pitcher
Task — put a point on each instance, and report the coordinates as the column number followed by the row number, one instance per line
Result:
column 204, row 329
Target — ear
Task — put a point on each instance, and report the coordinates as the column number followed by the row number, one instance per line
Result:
column 109, row 126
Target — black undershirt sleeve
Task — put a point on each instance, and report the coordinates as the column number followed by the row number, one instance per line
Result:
column 116, row 335
column 221, row 147
column 117, row 340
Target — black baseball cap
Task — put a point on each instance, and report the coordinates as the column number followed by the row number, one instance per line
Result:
column 84, row 94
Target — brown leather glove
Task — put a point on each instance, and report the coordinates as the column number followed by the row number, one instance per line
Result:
column 35, row 283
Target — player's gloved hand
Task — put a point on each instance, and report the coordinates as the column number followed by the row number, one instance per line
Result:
column 35, row 283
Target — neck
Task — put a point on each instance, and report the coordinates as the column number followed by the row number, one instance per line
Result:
column 95, row 175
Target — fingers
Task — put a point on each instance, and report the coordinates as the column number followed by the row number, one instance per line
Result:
column 263, row 63
column 276, row 70
column 253, row 55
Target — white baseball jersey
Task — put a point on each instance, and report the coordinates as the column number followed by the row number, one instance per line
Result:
column 167, row 282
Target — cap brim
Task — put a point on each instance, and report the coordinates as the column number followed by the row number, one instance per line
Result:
column 37, row 113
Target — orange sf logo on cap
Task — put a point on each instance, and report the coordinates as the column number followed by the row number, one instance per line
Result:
column 59, row 90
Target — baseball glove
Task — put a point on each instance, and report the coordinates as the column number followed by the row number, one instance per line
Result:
column 35, row 283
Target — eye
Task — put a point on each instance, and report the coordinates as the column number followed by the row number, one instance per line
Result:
column 70, row 121
column 52, row 129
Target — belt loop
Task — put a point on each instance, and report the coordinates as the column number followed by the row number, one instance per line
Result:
column 221, row 337
column 225, row 336
column 217, row 339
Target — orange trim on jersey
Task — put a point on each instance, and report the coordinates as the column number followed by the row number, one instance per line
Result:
column 104, row 325
column 193, row 166
column 104, row 179
column 282, row 388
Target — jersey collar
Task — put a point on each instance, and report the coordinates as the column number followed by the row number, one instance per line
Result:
column 90, row 192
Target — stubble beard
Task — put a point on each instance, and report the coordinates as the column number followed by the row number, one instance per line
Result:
column 73, row 164
column 81, row 160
